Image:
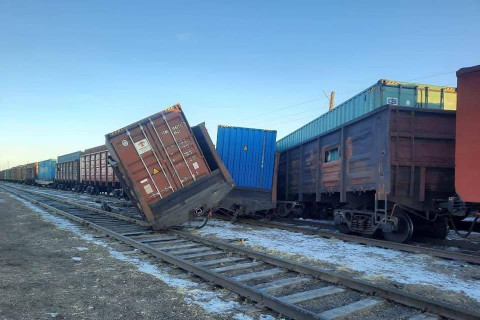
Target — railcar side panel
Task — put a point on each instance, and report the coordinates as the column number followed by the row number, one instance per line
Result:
column 467, row 150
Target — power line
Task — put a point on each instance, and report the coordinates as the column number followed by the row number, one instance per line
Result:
column 281, row 109
column 344, row 92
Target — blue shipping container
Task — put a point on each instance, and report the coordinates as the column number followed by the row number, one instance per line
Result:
column 383, row 92
column 46, row 170
column 248, row 154
column 69, row 157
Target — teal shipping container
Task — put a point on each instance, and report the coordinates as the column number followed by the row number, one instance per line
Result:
column 46, row 170
column 248, row 154
column 69, row 157
column 381, row 93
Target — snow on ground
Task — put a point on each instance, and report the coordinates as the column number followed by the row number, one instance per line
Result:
column 374, row 263
column 209, row 300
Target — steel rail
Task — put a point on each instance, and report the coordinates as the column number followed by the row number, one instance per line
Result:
column 451, row 255
column 270, row 301
column 266, row 299
column 408, row 299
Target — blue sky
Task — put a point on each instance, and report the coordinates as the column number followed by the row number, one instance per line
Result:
column 71, row 71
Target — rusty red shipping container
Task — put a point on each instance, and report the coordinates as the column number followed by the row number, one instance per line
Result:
column 467, row 149
column 171, row 171
column 95, row 170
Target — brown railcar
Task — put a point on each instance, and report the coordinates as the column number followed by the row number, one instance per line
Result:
column 96, row 174
column 31, row 173
column 382, row 172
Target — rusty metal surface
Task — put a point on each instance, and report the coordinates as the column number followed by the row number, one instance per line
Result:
column 404, row 153
column 68, row 172
column 95, row 169
column 31, row 172
column 163, row 167
column 467, row 152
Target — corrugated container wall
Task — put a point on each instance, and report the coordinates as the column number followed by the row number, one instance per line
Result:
column 46, row 169
column 248, row 154
column 382, row 93
column 69, row 157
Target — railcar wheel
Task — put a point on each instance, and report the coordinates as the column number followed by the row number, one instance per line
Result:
column 404, row 231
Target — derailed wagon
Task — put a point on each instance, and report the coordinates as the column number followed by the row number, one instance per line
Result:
column 249, row 156
column 171, row 172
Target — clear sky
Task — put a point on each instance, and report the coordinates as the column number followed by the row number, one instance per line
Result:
column 72, row 71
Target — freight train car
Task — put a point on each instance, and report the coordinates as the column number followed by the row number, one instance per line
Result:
column 171, row 172
column 16, row 174
column 249, row 156
column 31, row 173
column 467, row 148
column 423, row 96
column 46, row 172
column 96, row 174
column 381, row 172
column 67, row 174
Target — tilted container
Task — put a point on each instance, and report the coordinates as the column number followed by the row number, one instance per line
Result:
column 249, row 155
column 421, row 96
column 467, row 148
column 163, row 169
column 46, row 171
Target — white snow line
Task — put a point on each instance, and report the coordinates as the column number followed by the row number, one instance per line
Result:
column 208, row 300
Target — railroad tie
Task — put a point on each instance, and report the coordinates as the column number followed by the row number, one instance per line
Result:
column 259, row 275
column 424, row 316
column 201, row 255
column 176, row 247
column 344, row 311
column 218, row 261
column 282, row 283
column 236, row 267
column 312, row 294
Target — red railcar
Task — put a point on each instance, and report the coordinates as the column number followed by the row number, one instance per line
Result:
column 467, row 150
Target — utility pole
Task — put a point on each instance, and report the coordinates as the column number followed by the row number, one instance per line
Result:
column 330, row 99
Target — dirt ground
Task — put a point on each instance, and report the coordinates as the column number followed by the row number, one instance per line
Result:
column 47, row 272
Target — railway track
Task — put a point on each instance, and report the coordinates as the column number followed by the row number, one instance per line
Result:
column 321, row 230
column 287, row 287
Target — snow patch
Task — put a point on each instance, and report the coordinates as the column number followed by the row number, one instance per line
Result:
column 208, row 300
column 81, row 248
column 373, row 262
column 76, row 259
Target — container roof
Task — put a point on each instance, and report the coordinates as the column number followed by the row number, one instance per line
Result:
column 468, row 70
